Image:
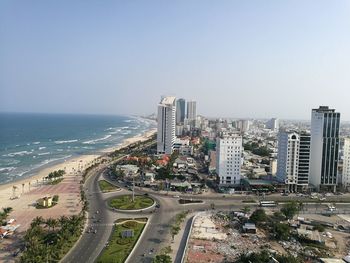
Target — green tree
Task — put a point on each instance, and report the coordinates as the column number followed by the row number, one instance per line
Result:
column 278, row 216
column 162, row 259
column 262, row 257
column 290, row 209
column 319, row 228
column 258, row 216
column 175, row 230
column 281, row 231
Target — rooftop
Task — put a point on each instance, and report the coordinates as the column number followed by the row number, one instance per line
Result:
column 169, row 100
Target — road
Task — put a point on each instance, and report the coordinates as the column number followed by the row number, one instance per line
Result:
column 157, row 234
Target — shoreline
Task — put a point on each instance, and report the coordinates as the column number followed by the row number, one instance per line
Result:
column 73, row 164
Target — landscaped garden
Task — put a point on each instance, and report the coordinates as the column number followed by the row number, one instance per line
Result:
column 125, row 202
column 119, row 247
column 107, row 186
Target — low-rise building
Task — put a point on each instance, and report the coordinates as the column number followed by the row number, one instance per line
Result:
column 249, row 228
column 45, row 201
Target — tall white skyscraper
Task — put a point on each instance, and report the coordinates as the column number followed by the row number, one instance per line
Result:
column 288, row 159
column 324, row 148
column 166, row 125
column 346, row 164
column 191, row 110
column 228, row 159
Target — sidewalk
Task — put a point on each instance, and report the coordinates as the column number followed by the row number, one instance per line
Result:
column 180, row 239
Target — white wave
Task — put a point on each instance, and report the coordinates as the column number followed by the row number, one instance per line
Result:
column 53, row 160
column 125, row 127
column 21, row 153
column 113, row 130
column 7, row 169
column 41, row 148
column 97, row 140
column 45, row 153
column 59, row 150
column 68, row 141
column 35, row 142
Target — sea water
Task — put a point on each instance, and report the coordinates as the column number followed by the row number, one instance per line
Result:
column 28, row 142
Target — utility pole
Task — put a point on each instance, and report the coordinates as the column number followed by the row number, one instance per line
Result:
column 133, row 189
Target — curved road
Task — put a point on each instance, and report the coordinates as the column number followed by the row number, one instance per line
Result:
column 155, row 236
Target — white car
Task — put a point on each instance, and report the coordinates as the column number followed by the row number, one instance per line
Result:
column 176, row 196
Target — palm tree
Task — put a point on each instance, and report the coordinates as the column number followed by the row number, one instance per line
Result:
column 50, row 222
column 54, row 224
column 37, row 221
column 63, row 220
column 7, row 210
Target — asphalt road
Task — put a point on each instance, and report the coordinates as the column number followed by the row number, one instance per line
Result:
column 156, row 235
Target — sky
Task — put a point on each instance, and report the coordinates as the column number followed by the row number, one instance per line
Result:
column 240, row 59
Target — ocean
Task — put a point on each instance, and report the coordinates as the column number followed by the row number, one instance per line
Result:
column 29, row 142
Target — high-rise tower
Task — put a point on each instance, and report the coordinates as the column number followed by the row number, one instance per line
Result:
column 166, row 125
column 324, row 147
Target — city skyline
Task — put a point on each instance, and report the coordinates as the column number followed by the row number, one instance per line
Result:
column 238, row 59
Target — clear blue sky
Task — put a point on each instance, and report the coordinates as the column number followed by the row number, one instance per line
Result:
column 236, row 58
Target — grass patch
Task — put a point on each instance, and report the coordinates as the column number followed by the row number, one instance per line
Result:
column 119, row 248
column 107, row 186
column 124, row 202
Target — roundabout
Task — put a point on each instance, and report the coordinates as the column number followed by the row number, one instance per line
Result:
column 127, row 203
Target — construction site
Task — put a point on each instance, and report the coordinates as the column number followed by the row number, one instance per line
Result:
column 228, row 236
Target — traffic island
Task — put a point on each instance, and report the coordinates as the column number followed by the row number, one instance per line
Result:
column 190, row 201
column 123, row 239
column 107, row 187
column 128, row 203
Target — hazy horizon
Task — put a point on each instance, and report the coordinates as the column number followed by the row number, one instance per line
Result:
column 237, row 59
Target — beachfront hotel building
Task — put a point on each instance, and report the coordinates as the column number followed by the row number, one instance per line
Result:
column 228, row 159
column 324, row 148
column 346, row 164
column 166, row 125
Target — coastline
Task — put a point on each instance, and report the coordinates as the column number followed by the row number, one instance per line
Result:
column 71, row 165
